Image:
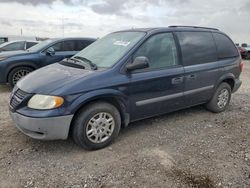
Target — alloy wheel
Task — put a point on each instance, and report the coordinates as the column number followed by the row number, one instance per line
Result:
column 100, row 127
column 223, row 98
column 19, row 74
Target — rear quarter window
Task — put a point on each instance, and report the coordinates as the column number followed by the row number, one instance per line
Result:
column 197, row 47
column 225, row 46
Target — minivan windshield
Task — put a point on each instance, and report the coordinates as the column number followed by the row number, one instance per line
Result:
column 40, row 46
column 106, row 51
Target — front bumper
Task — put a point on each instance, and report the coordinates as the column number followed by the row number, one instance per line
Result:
column 52, row 128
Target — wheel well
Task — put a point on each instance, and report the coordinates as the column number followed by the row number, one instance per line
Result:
column 111, row 100
column 230, row 81
column 33, row 68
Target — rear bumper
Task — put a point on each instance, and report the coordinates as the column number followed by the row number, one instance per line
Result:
column 237, row 85
column 52, row 128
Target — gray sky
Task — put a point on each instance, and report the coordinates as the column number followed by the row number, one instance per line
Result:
column 96, row 18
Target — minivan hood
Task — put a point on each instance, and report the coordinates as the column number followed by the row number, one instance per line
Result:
column 50, row 78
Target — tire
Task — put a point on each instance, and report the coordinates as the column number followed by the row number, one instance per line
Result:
column 220, row 99
column 18, row 73
column 92, row 120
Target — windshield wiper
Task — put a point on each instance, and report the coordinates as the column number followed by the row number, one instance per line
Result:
column 72, row 63
column 85, row 60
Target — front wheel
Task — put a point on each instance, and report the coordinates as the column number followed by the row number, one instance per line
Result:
column 96, row 126
column 220, row 99
column 17, row 73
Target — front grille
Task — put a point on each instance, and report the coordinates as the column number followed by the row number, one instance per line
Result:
column 17, row 98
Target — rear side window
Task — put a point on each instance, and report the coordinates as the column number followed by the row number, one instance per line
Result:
column 69, row 45
column 225, row 46
column 197, row 47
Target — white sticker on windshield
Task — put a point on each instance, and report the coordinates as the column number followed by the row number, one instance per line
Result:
column 121, row 43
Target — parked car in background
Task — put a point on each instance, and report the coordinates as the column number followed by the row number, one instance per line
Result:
column 17, row 45
column 15, row 65
column 9, row 38
column 124, row 77
column 243, row 52
column 3, row 40
column 244, row 45
column 248, row 52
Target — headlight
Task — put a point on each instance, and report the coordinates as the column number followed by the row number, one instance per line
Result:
column 3, row 58
column 45, row 102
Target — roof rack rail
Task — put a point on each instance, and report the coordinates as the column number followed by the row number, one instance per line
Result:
column 194, row 27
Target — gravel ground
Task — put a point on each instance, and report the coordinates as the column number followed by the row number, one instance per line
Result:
column 188, row 148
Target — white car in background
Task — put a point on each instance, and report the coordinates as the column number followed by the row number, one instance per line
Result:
column 17, row 45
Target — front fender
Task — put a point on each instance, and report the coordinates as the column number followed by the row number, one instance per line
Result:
column 99, row 95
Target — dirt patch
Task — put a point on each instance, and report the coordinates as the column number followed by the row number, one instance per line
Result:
column 191, row 180
column 162, row 156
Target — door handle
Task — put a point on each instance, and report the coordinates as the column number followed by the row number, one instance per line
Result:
column 177, row 80
column 191, row 77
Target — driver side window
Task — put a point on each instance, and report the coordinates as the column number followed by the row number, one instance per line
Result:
column 58, row 47
column 161, row 51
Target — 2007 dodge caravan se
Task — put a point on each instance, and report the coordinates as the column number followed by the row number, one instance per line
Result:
column 123, row 77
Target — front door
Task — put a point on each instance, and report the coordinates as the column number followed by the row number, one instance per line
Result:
column 159, row 88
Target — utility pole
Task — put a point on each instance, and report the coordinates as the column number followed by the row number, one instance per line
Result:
column 63, row 26
column 21, row 32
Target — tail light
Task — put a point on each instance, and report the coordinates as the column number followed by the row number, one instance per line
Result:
column 241, row 66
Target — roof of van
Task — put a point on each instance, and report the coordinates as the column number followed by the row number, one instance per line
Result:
column 174, row 28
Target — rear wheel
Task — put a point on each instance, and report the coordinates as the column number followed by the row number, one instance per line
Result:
column 17, row 73
column 96, row 126
column 220, row 99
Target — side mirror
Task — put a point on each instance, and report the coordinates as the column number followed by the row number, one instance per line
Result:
column 140, row 62
column 50, row 51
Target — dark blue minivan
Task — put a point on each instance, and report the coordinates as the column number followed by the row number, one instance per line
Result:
column 124, row 77
column 17, row 64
